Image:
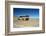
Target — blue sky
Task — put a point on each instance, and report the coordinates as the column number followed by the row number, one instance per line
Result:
column 34, row 13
